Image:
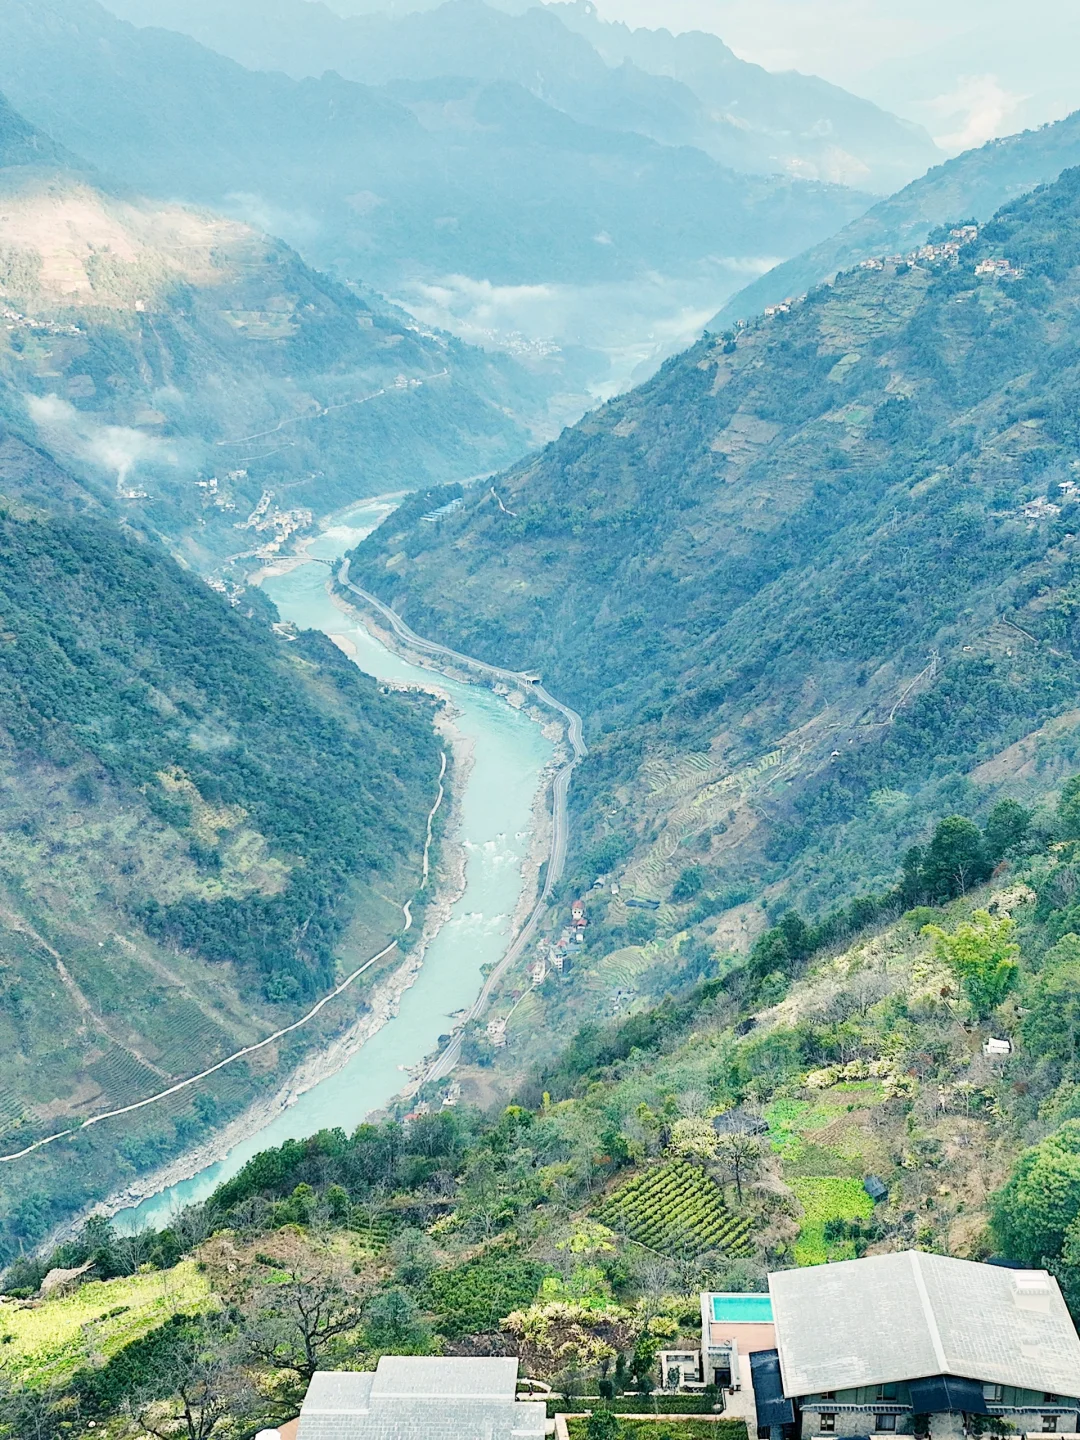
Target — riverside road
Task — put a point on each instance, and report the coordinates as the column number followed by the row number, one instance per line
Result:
column 560, row 789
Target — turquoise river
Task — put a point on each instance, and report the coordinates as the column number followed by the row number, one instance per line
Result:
column 510, row 752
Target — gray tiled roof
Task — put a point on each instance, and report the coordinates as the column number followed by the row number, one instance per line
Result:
column 907, row 1316
column 421, row 1398
column 436, row 1376
column 337, row 1392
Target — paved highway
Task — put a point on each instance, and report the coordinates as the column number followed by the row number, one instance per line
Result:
column 560, row 828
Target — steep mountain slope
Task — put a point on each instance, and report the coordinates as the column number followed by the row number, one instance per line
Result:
column 201, row 823
column 481, row 188
column 592, row 1211
column 972, row 186
column 195, row 366
column 798, row 123
column 631, row 80
column 21, row 144
column 805, row 581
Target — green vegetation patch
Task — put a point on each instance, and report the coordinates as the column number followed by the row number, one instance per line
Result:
column 50, row 1342
column 825, row 1198
column 789, row 1120
column 676, row 1208
column 662, row 1428
column 472, row 1298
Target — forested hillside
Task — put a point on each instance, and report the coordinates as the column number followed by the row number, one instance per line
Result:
column 202, row 825
column 971, row 186
column 696, row 1145
column 193, row 366
column 21, row 144
column 811, row 582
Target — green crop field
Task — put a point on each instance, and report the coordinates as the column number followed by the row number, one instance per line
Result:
column 48, row 1342
column 824, row 1198
column 676, row 1208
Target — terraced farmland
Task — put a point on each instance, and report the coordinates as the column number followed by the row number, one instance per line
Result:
column 676, row 1209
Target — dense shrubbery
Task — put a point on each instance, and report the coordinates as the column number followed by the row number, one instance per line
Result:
column 958, row 858
column 476, row 1296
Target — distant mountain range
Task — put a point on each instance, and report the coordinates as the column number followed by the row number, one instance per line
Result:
column 761, row 120
column 972, row 186
column 472, row 199
column 684, row 90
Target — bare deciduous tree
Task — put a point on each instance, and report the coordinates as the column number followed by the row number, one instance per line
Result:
column 134, row 1250
column 295, row 1316
column 195, row 1382
column 35, row 1413
column 738, row 1155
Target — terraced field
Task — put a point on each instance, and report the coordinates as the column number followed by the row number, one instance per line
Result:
column 676, row 1209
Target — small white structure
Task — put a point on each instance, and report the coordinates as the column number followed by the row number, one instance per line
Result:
column 997, row 1047
column 681, row 1370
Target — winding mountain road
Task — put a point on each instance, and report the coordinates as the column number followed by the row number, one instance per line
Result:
column 560, row 790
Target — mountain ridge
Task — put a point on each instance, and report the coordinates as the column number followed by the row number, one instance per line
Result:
column 469, row 201
column 970, row 186
column 585, row 69
column 146, row 338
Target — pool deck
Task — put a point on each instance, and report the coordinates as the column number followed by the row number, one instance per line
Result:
column 751, row 1336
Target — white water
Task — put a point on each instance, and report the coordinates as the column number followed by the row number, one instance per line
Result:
column 510, row 752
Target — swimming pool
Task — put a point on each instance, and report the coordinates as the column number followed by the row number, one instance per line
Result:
column 743, row 1309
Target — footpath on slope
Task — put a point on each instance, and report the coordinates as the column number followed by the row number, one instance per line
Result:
column 445, row 1062
column 304, row 1019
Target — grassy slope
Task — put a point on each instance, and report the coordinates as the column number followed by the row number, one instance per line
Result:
column 48, row 1344
column 200, row 825
column 792, row 583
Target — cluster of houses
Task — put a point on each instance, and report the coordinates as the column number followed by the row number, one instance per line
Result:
column 14, row 320
column 945, row 251
column 1043, row 509
column 558, row 955
column 906, row 1343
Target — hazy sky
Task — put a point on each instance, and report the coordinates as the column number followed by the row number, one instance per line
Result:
column 967, row 69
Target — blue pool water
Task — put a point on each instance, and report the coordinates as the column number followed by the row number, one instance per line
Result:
column 743, row 1309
